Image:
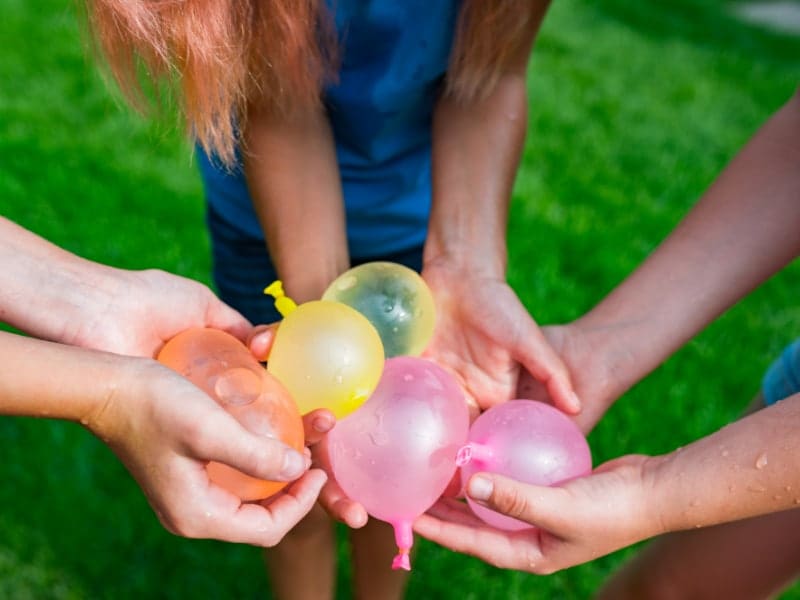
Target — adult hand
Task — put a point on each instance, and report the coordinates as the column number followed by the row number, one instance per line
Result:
column 165, row 430
column 487, row 339
column 576, row 522
column 136, row 312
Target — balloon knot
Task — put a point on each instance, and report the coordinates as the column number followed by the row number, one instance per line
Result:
column 283, row 303
column 402, row 560
column 464, row 455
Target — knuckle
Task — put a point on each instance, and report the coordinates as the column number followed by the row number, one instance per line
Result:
column 511, row 502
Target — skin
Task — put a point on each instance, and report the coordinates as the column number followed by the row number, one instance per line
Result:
column 714, row 257
column 465, row 253
column 102, row 327
column 476, row 153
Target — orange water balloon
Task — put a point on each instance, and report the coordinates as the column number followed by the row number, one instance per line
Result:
column 224, row 368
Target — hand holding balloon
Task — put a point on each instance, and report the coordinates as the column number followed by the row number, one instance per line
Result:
column 525, row 440
column 223, row 367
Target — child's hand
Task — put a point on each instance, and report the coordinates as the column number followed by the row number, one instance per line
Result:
column 165, row 430
column 592, row 377
column 317, row 424
column 136, row 312
column 487, row 339
column 576, row 522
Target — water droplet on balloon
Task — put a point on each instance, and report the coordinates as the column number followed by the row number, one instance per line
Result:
column 338, row 379
column 761, row 461
column 408, row 377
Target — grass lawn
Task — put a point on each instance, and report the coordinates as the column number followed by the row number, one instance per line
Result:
column 634, row 109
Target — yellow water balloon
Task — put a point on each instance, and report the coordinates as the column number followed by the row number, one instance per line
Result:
column 328, row 355
column 394, row 298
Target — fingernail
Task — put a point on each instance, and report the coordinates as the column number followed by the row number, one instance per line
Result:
column 480, row 488
column 322, row 424
column 293, row 464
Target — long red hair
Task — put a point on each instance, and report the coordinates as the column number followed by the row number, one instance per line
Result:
column 222, row 55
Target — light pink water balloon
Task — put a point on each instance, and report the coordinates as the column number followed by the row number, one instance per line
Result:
column 396, row 453
column 526, row 440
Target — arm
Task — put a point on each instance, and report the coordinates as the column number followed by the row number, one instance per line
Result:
column 293, row 178
column 164, row 430
column 746, row 469
column 742, row 231
column 476, row 151
column 52, row 294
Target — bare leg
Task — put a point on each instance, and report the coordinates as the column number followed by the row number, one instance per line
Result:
column 303, row 565
column 750, row 559
column 373, row 548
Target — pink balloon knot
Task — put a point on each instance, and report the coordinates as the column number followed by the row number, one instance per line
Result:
column 464, row 455
column 402, row 560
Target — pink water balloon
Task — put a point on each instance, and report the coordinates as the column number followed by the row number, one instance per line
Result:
column 396, row 453
column 528, row 441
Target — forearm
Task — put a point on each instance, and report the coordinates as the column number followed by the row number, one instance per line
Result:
column 743, row 230
column 293, row 177
column 476, row 152
column 748, row 468
column 45, row 379
column 45, row 290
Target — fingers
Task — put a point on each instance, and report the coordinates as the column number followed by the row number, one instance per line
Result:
column 260, row 340
column 257, row 524
column 455, row 528
column 541, row 360
column 316, row 424
column 341, row 508
column 540, row 506
column 224, row 440
column 221, row 316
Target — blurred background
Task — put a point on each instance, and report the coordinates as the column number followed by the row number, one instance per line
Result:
column 634, row 108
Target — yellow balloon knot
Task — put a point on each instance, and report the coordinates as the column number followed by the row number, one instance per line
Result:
column 283, row 303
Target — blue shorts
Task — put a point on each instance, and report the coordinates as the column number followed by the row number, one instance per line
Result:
column 242, row 269
column 782, row 379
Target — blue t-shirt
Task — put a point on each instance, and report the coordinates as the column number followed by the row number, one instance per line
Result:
column 394, row 56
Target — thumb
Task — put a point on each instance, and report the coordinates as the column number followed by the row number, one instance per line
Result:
column 541, row 506
column 539, row 358
column 225, row 440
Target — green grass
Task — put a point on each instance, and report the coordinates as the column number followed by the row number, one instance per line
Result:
column 634, row 109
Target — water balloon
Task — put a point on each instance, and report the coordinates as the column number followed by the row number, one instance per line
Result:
column 224, row 368
column 396, row 454
column 394, row 298
column 526, row 440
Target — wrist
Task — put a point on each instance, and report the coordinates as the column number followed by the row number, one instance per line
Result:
column 474, row 260
column 125, row 378
column 609, row 355
column 658, row 503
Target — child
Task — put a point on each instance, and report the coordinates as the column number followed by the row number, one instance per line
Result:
column 359, row 131
column 106, row 324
